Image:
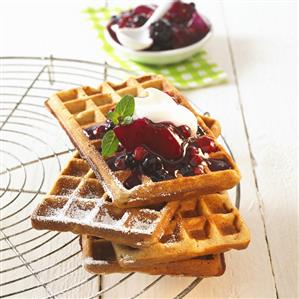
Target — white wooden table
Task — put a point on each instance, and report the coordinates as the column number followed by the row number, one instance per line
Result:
column 255, row 43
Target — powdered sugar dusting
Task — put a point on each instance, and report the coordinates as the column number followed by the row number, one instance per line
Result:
column 100, row 214
column 91, row 261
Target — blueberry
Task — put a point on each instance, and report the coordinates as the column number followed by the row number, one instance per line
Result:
column 130, row 162
column 120, row 162
column 216, row 164
column 109, row 125
column 151, row 165
column 161, row 33
column 161, row 175
column 186, row 170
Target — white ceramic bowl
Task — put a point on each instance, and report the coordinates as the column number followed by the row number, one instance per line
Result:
column 160, row 57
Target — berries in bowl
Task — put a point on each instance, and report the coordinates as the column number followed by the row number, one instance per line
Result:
column 176, row 36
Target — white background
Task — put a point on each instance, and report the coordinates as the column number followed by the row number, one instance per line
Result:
column 255, row 43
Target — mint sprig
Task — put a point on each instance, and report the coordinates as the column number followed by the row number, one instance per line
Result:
column 122, row 115
column 125, row 106
column 109, row 144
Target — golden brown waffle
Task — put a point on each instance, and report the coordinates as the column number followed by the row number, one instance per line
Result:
column 77, row 203
column 208, row 224
column 45, row 215
column 99, row 257
column 79, row 108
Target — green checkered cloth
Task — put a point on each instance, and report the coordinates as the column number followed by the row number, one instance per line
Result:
column 191, row 73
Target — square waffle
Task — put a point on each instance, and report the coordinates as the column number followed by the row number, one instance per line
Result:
column 83, row 107
column 98, row 257
column 207, row 224
column 78, row 203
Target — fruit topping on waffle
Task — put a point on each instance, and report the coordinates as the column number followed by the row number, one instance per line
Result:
column 168, row 145
column 167, row 159
column 181, row 26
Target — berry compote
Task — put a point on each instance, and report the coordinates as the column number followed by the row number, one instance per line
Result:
column 160, row 151
column 181, row 26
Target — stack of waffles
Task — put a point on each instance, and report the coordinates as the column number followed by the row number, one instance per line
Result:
column 180, row 226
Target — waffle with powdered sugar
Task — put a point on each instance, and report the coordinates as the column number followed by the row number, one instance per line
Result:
column 87, row 210
column 78, row 203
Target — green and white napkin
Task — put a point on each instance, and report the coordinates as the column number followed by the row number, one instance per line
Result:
column 192, row 73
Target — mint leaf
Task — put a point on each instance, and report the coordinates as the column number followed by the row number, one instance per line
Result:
column 126, row 106
column 109, row 144
column 113, row 116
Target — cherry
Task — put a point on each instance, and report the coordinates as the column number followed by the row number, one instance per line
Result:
column 139, row 153
column 133, row 180
column 185, row 130
column 216, row 164
column 192, row 151
column 161, row 139
column 125, row 19
column 198, row 170
column 180, row 12
column 206, row 144
column 95, row 132
column 196, row 160
column 139, row 20
column 198, row 26
column 143, row 9
column 181, row 37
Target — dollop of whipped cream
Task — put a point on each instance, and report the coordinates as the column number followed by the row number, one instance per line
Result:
column 158, row 106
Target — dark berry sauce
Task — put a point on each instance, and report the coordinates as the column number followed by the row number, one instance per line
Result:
column 181, row 26
column 160, row 151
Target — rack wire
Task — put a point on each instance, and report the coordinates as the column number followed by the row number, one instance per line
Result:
column 44, row 264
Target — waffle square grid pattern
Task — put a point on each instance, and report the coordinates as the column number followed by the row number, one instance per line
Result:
column 206, row 224
column 99, row 257
column 76, row 197
column 78, row 203
column 79, row 108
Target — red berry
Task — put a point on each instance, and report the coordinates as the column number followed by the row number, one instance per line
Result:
column 133, row 180
column 206, row 144
column 196, row 160
column 198, row 170
column 180, row 12
column 99, row 131
column 161, row 139
column 185, row 130
column 139, row 153
column 198, row 26
column 143, row 9
column 192, row 151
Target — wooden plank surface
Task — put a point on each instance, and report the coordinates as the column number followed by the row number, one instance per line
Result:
column 265, row 66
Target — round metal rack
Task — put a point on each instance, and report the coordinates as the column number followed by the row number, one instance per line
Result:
column 45, row 264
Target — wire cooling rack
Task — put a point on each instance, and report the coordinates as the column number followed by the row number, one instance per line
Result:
column 44, row 264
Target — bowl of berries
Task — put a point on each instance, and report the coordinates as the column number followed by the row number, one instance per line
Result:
column 177, row 35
